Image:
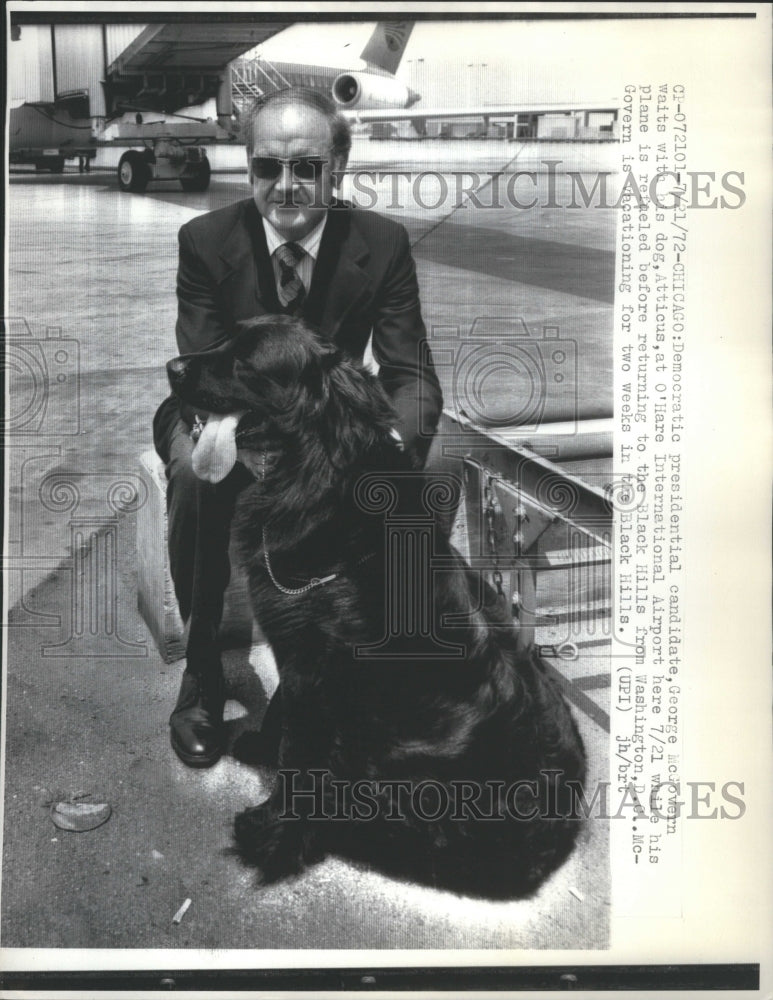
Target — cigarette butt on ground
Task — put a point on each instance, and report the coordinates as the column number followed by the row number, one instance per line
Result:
column 181, row 912
column 577, row 894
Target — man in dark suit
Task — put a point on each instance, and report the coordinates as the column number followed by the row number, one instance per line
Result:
column 291, row 248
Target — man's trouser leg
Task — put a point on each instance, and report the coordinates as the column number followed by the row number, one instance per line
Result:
column 199, row 529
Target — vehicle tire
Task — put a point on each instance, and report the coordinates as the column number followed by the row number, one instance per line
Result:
column 200, row 180
column 133, row 172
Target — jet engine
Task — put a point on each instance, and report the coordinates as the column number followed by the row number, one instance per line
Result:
column 367, row 92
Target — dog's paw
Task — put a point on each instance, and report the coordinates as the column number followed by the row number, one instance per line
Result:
column 253, row 747
column 278, row 847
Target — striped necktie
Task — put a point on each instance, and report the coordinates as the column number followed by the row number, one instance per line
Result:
column 291, row 289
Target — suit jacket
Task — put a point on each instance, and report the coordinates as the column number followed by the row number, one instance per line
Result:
column 364, row 279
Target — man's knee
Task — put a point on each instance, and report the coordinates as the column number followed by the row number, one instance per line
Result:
column 186, row 494
column 179, row 468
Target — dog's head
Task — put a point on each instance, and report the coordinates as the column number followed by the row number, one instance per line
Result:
column 290, row 390
column 257, row 370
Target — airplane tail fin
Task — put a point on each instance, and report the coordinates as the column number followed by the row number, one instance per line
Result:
column 387, row 43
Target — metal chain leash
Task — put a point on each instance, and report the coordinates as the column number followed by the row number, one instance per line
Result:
column 292, row 591
column 315, row 581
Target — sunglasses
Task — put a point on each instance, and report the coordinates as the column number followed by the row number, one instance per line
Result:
column 304, row 168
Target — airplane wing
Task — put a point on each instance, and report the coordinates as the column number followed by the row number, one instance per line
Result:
column 179, row 63
column 479, row 111
column 193, row 46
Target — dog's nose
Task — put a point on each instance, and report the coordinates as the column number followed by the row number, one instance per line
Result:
column 176, row 367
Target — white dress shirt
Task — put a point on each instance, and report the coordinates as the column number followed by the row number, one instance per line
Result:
column 310, row 244
column 305, row 268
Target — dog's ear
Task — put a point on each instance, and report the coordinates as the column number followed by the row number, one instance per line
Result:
column 314, row 376
column 358, row 413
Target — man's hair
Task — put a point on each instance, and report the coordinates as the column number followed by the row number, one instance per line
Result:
column 340, row 132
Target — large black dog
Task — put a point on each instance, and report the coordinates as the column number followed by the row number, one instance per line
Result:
column 410, row 732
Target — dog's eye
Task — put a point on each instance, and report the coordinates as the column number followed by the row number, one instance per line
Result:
column 244, row 373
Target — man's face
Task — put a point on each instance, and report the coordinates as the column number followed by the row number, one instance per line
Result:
column 294, row 200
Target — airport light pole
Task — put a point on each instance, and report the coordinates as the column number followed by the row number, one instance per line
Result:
column 475, row 82
column 415, row 67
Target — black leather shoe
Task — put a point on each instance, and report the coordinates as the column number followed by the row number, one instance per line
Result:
column 196, row 725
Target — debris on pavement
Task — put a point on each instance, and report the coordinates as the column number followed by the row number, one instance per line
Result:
column 80, row 816
column 181, row 912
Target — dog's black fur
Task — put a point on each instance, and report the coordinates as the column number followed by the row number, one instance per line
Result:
column 316, row 423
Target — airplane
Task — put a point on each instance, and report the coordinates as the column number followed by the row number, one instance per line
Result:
column 372, row 86
column 141, row 86
column 167, row 69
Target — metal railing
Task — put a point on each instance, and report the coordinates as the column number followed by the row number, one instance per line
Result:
column 252, row 77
